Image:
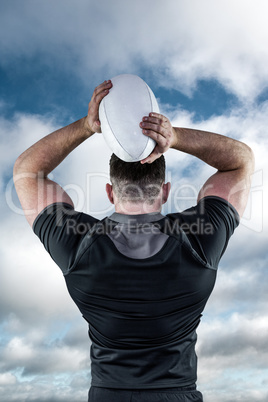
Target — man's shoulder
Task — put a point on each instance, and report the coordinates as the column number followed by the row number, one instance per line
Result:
column 59, row 215
column 208, row 226
column 206, row 206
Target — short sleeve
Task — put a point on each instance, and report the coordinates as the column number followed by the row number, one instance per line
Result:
column 61, row 229
column 208, row 227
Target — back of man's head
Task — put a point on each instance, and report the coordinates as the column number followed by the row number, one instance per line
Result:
column 136, row 182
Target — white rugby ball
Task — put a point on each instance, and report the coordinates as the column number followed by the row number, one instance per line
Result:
column 120, row 113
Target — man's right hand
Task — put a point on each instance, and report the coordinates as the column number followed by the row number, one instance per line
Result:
column 92, row 119
column 159, row 128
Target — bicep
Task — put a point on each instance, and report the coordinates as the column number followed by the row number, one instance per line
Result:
column 233, row 186
column 36, row 194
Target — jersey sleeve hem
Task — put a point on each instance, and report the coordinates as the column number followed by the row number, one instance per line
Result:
column 49, row 208
column 224, row 201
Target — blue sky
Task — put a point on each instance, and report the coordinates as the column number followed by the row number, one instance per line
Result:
column 206, row 62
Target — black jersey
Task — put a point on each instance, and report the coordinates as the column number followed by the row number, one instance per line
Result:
column 141, row 282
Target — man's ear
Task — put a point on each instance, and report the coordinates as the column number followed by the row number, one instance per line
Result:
column 165, row 191
column 109, row 191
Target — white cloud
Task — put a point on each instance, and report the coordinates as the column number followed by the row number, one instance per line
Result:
column 180, row 42
column 241, row 335
column 7, row 379
column 46, row 388
column 18, row 134
column 19, row 352
column 235, row 348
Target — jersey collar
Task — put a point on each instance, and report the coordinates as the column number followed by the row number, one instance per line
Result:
column 141, row 218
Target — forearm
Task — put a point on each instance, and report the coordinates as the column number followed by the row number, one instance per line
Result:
column 218, row 151
column 50, row 151
column 35, row 190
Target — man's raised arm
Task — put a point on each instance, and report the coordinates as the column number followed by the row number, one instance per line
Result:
column 34, row 189
column 233, row 159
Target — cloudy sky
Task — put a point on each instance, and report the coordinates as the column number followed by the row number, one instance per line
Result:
column 206, row 62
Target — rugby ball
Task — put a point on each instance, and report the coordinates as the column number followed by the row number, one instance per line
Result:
column 120, row 113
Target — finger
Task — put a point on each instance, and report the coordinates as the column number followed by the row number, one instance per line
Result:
column 102, row 86
column 159, row 134
column 163, row 139
column 155, row 118
column 157, row 137
column 158, row 116
column 158, row 128
column 156, row 153
column 97, row 126
column 159, row 123
column 151, row 158
column 101, row 91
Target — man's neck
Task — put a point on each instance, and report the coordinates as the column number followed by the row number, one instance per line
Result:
column 136, row 209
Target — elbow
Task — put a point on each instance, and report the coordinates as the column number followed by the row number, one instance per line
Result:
column 17, row 168
column 17, row 171
column 21, row 166
column 250, row 160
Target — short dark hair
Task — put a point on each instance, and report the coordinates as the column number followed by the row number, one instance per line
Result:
column 136, row 182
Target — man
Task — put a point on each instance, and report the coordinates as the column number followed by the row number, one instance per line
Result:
column 140, row 279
